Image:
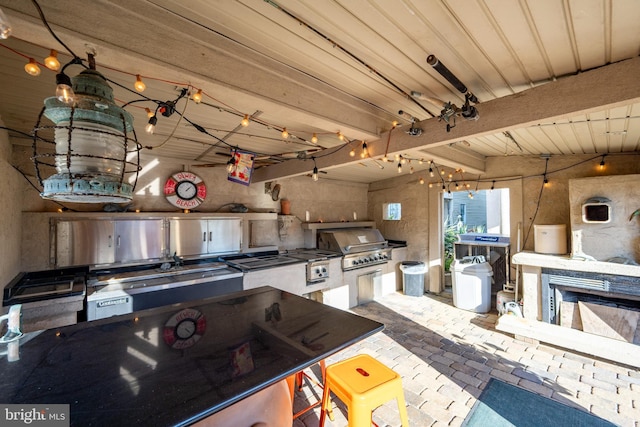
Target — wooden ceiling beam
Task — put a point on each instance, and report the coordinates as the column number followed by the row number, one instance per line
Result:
column 604, row 87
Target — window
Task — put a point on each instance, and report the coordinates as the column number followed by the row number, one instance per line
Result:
column 391, row 211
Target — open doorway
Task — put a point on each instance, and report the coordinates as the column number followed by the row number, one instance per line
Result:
column 483, row 211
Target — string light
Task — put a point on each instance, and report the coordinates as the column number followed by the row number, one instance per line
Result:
column 51, row 61
column 151, row 126
column 470, row 195
column 245, row 121
column 493, row 185
column 149, row 113
column 364, row 152
column 139, row 84
column 411, row 170
column 546, row 181
column 602, row 163
column 352, row 153
column 314, row 175
column 314, row 139
column 421, row 181
column 64, row 91
column 32, row 68
column 197, row 97
column 430, row 171
column 231, row 164
column 399, row 167
column 285, row 134
column 340, row 136
column 431, row 185
column 5, row 27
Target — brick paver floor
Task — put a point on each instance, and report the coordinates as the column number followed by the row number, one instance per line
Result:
column 446, row 356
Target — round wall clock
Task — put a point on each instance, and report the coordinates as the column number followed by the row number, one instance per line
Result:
column 185, row 190
column 184, row 328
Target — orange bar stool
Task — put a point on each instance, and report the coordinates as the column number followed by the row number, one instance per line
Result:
column 363, row 384
column 299, row 377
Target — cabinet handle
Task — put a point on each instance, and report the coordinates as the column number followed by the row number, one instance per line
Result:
column 204, row 236
column 110, row 241
column 118, row 241
column 210, row 235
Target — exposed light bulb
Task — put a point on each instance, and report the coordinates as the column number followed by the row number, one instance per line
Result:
column 457, row 186
column 314, row 139
column 51, row 61
column 32, row 68
column 420, row 161
column 197, row 97
column 139, row 84
column 231, row 164
column 602, row 163
column 403, row 160
column 546, row 181
column 352, row 153
column 411, row 170
column 397, row 157
column 394, row 123
column 431, row 185
column 314, row 175
column 149, row 113
column 151, row 126
column 245, row 121
column 340, row 136
column 385, row 158
column 421, row 181
column 5, row 27
column 431, row 172
column 364, row 152
column 442, row 172
column 64, row 91
column 399, row 167
column 285, row 134
column 470, row 195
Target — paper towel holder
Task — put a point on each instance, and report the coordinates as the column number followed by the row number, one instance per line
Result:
column 596, row 210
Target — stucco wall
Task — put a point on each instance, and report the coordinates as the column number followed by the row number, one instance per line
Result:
column 12, row 186
column 531, row 203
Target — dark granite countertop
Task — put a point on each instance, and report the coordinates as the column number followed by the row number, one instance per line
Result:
column 178, row 364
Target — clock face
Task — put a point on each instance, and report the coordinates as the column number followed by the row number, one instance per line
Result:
column 184, row 328
column 185, row 190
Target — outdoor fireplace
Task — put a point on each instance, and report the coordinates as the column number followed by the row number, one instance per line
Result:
column 577, row 286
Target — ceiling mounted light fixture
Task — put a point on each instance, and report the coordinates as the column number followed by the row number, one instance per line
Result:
column 314, row 175
column 95, row 159
column 245, row 121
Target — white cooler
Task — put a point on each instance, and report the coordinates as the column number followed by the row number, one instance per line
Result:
column 471, row 284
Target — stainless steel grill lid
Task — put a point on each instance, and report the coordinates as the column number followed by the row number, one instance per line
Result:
column 353, row 240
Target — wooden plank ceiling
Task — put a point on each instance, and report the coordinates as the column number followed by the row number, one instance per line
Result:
column 342, row 66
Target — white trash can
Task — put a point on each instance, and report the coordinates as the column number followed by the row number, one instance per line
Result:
column 471, row 282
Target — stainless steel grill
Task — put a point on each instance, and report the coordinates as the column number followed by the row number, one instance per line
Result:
column 361, row 247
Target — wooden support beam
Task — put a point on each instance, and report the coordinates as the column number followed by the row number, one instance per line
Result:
column 605, row 87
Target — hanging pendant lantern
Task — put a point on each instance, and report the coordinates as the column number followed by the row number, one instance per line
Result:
column 95, row 160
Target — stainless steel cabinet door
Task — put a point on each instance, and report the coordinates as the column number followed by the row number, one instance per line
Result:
column 84, row 242
column 188, row 237
column 138, row 240
column 225, row 235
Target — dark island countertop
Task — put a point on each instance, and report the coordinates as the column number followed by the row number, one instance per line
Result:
column 179, row 364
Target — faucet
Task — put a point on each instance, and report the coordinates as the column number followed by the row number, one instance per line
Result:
column 13, row 324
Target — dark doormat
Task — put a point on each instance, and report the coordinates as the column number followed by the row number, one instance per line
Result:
column 501, row 405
